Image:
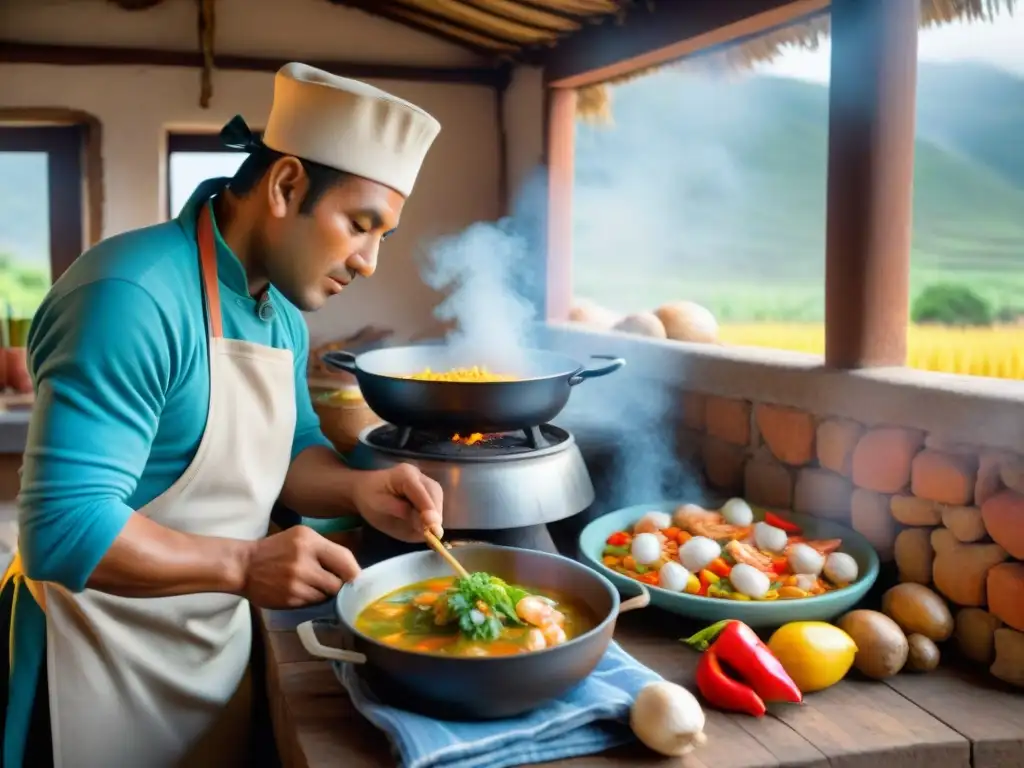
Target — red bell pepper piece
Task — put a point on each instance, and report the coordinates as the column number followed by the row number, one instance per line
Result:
column 740, row 648
column 719, row 567
column 779, row 522
column 618, row 539
column 722, row 692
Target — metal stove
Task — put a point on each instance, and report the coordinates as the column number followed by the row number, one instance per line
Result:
column 499, row 488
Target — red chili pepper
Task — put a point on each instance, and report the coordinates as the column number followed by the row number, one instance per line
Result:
column 618, row 539
column 740, row 648
column 722, row 691
column 772, row 519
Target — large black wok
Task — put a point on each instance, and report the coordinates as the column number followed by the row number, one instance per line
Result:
column 545, row 381
column 473, row 688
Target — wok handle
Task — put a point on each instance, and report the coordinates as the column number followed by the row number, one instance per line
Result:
column 340, row 360
column 640, row 601
column 307, row 636
column 592, row 373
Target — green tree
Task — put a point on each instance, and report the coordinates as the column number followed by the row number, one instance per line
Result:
column 950, row 304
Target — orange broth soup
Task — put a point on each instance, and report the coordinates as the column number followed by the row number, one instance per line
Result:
column 413, row 618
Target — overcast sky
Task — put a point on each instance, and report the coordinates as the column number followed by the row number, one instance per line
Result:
column 1000, row 43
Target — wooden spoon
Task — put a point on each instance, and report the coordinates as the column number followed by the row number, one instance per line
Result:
column 437, row 546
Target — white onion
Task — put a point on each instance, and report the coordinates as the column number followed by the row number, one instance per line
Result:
column 698, row 552
column 673, row 577
column 737, row 512
column 668, row 719
column 840, row 568
column 749, row 581
column 652, row 522
column 805, row 559
column 646, row 548
column 770, row 538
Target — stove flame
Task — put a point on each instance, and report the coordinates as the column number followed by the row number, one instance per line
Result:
column 472, row 439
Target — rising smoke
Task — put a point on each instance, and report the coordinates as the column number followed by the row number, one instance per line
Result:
column 492, row 276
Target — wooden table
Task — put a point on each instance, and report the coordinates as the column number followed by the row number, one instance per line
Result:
column 946, row 719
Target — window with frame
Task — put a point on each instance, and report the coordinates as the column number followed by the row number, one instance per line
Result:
column 709, row 187
column 702, row 197
column 41, row 210
column 192, row 158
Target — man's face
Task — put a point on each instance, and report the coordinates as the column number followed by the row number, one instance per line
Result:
column 312, row 256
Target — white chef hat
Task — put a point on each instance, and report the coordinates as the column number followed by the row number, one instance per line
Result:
column 348, row 125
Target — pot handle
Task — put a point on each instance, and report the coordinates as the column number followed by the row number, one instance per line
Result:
column 592, row 373
column 340, row 360
column 308, row 638
column 640, row 601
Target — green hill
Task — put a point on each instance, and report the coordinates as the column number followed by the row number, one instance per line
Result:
column 715, row 190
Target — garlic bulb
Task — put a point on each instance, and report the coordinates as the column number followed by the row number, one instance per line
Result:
column 698, row 552
column 646, row 548
column 737, row 512
column 668, row 719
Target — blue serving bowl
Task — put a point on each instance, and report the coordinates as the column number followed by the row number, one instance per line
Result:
column 772, row 613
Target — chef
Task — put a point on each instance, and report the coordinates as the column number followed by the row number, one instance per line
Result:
column 172, row 412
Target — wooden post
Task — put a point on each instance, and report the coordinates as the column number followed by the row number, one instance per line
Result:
column 870, row 181
column 561, row 137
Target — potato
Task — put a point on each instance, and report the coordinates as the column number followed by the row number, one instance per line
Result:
column 923, row 655
column 587, row 312
column 882, row 647
column 916, row 609
column 642, row 324
column 687, row 321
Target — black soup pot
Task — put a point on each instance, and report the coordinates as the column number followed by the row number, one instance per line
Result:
column 474, row 688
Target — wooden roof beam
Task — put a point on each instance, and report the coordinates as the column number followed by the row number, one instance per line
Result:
column 471, row 39
column 524, row 13
column 83, row 55
column 472, row 18
column 665, row 32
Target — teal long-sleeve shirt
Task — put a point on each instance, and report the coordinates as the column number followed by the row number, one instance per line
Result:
column 118, row 354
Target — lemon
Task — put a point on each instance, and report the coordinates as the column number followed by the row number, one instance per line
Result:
column 814, row 653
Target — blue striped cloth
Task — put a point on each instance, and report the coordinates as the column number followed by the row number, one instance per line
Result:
column 591, row 718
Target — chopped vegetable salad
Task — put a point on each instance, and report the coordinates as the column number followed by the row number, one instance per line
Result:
column 728, row 554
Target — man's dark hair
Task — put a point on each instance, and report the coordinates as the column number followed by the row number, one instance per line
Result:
column 321, row 177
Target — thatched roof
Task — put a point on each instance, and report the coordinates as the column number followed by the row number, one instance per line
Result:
column 513, row 29
column 594, row 103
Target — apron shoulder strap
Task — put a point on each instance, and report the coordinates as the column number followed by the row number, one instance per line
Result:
column 208, row 271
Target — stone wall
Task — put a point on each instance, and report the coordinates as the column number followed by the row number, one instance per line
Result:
column 950, row 515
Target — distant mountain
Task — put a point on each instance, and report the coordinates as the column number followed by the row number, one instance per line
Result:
column 975, row 109
column 704, row 181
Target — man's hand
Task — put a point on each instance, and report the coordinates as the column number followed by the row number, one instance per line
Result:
column 400, row 501
column 296, row 567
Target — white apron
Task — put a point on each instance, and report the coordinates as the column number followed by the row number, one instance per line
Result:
column 154, row 682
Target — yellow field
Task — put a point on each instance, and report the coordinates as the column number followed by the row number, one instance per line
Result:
column 997, row 352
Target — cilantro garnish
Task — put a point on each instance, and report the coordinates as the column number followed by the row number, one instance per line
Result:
column 499, row 598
